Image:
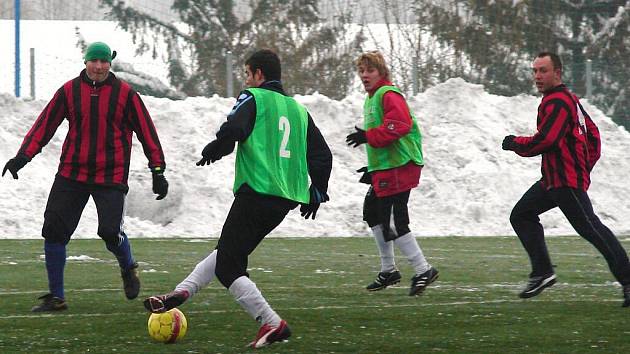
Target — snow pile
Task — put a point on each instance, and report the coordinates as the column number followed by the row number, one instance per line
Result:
column 468, row 186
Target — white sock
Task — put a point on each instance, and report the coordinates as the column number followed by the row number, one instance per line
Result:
column 385, row 249
column 251, row 300
column 201, row 276
column 408, row 245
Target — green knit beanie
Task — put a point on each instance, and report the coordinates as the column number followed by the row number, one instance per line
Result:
column 99, row 50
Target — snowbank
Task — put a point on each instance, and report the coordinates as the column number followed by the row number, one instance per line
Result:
column 468, row 186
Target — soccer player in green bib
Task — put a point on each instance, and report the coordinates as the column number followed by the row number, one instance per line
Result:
column 394, row 152
column 279, row 149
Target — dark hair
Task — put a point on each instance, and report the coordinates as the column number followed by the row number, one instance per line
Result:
column 268, row 62
column 555, row 59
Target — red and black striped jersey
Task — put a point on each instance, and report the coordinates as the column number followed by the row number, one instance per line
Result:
column 569, row 142
column 102, row 117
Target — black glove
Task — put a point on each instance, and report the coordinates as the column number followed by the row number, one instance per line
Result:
column 160, row 185
column 357, row 138
column 15, row 164
column 316, row 198
column 366, row 177
column 209, row 154
column 306, row 210
column 508, row 143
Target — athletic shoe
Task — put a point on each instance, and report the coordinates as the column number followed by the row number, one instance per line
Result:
column 268, row 335
column 421, row 281
column 131, row 283
column 536, row 285
column 626, row 295
column 383, row 280
column 163, row 303
column 50, row 303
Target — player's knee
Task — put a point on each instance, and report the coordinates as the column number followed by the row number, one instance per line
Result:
column 515, row 217
column 371, row 222
column 370, row 217
column 370, row 211
column 225, row 275
column 227, row 270
column 402, row 229
column 55, row 230
column 110, row 235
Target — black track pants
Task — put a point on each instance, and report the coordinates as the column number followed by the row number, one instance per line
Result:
column 66, row 202
column 251, row 218
column 576, row 207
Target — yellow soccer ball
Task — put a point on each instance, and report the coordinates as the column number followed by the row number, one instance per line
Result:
column 168, row 327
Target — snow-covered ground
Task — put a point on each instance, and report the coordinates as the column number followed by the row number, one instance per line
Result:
column 468, row 186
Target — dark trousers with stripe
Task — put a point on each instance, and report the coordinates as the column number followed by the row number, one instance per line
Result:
column 65, row 205
column 252, row 217
column 576, row 207
column 66, row 202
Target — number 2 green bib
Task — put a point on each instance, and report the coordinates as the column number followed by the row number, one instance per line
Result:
column 272, row 160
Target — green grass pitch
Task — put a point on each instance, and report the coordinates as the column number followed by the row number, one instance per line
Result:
column 317, row 285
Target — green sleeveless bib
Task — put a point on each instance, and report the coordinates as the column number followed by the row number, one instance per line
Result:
column 272, row 160
column 399, row 153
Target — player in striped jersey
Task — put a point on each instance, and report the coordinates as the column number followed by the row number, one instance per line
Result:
column 103, row 113
column 569, row 143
